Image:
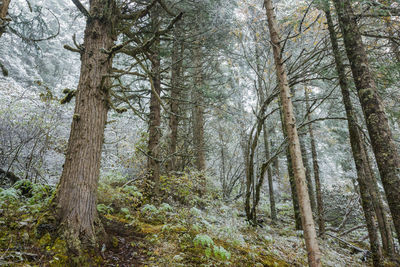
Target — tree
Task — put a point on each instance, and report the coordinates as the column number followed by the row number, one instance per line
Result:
column 76, row 193
column 383, row 145
column 153, row 159
column 294, row 145
column 3, row 15
column 310, row 185
column 176, row 87
column 198, row 110
column 358, row 148
column 320, row 203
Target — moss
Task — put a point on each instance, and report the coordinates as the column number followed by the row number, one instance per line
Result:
column 45, row 240
column 151, row 229
column 272, row 261
column 76, row 117
column 178, row 229
column 116, row 218
column 115, row 241
column 69, row 94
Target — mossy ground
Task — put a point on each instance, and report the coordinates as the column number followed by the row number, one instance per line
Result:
column 139, row 233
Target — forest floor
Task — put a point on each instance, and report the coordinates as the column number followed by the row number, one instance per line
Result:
column 187, row 231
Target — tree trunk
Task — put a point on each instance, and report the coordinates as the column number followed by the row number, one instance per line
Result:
column 377, row 201
column 310, row 185
column 176, row 85
column 3, row 14
column 318, row 189
column 76, row 194
column 356, row 143
column 295, row 199
column 198, row 117
column 198, row 112
column 276, row 166
column 383, row 145
column 314, row 254
column 223, row 168
column 270, row 177
column 153, row 161
column 261, row 93
column 250, row 181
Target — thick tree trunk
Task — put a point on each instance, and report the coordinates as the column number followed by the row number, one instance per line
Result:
column 314, row 254
column 175, row 95
column 383, row 145
column 4, row 4
column 358, row 150
column 318, row 189
column 155, row 110
column 76, row 194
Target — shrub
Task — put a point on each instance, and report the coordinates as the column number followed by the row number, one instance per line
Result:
column 221, row 253
column 104, row 209
column 203, row 240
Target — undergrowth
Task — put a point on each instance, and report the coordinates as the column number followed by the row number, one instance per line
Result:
column 179, row 228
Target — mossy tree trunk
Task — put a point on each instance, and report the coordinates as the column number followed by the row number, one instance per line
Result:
column 76, row 194
column 357, row 146
column 176, row 84
column 314, row 254
column 153, row 147
column 377, row 201
column 385, row 150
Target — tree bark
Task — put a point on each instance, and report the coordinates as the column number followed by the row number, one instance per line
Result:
column 377, row 201
column 383, row 145
column 153, row 160
column 198, row 112
column 76, row 194
column 270, row 176
column 292, row 182
column 314, row 155
column 4, row 4
column 358, row 150
column 276, row 166
column 310, row 185
column 176, row 85
column 314, row 254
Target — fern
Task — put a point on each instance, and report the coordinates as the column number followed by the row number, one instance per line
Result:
column 101, row 208
column 148, row 208
column 203, row 240
column 165, row 207
column 10, row 194
column 221, row 253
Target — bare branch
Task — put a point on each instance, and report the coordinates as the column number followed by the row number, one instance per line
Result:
column 81, row 8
